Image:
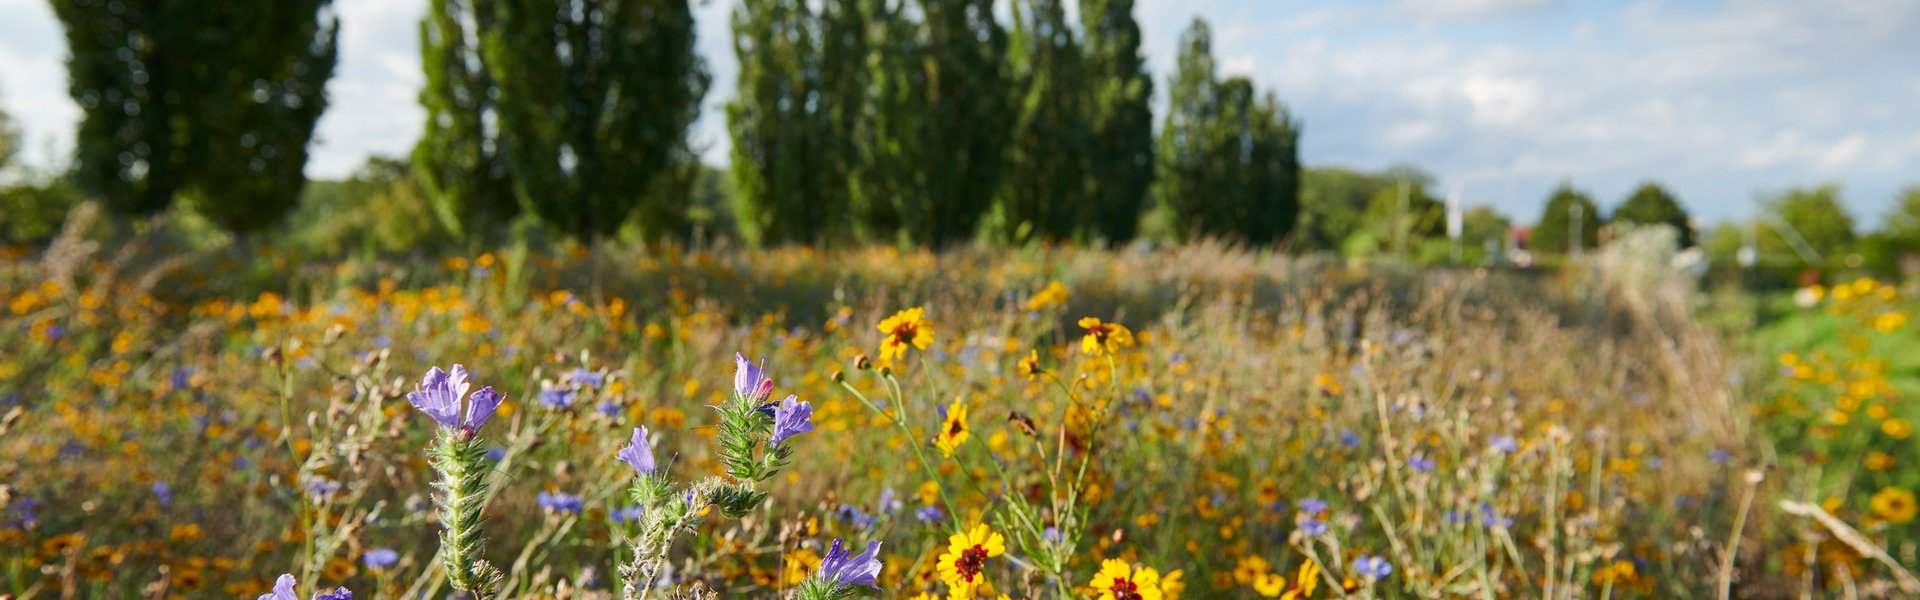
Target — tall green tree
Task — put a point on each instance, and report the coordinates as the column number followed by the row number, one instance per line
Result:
column 461, row 157
column 9, row 140
column 1809, row 223
column 594, row 100
column 1046, row 181
column 1229, row 158
column 775, row 120
column 1651, row 204
column 1333, row 201
column 1120, row 166
column 893, row 130
column 1403, row 216
column 214, row 101
column 1567, row 210
column 969, row 116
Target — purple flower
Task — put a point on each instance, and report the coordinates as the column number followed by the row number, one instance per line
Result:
column 321, row 487
column 849, row 513
column 553, row 397
column 585, row 377
column 380, row 558
column 791, row 418
column 1505, row 444
column 1420, row 463
column 162, row 493
column 749, row 381
column 1313, row 527
column 631, row 513
column 1492, row 519
column 439, row 395
column 638, row 453
column 1312, row 506
column 1373, row 568
column 929, row 514
column 340, row 593
column 283, row 590
column 561, row 502
column 839, row 568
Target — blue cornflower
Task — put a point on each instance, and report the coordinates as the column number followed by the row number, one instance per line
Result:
column 1720, row 456
column 1051, row 534
column 1312, row 506
column 1313, row 527
column 842, row 567
column 439, row 395
column 321, row 487
column 496, row 453
column 1349, row 439
column 1505, row 444
column 1373, row 568
column 609, row 408
column 555, row 397
column 852, row 514
column 750, row 382
column 162, row 493
column 631, row 513
column 1492, row 519
column 561, row 502
column 639, row 452
column 584, row 377
column 929, row 514
column 1420, row 463
column 380, row 558
column 888, row 503
column 791, row 418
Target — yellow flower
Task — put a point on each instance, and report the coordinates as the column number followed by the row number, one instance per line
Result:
column 1171, row 586
column 1102, row 338
column 1896, row 428
column 954, row 431
column 1029, row 367
column 963, row 565
column 929, row 492
column 1890, row 322
column 1305, row 581
column 1249, row 568
column 1879, row 461
column 1053, row 294
column 1895, row 505
column 906, row 328
column 1119, row 581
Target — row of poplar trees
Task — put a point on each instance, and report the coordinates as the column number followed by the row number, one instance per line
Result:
column 925, row 122
column 929, row 122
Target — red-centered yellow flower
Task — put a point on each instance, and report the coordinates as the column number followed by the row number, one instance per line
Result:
column 953, row 432
column 1029, row 367
column 1102, row 338
column 963, row 566
column 1895, row 505
column 1305, row 581
column 1119, row 581
column 907, row 328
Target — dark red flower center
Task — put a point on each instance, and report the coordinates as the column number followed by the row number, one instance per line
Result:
column 970, row 562
column 1124, row 589
column 904, row 332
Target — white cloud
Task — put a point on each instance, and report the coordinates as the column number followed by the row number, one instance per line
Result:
column 1465, row 9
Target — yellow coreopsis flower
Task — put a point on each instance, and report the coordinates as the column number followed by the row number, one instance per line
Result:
column 1102, row 338
column 1053, row 294
column 963, row 565
column 1305, row 581
column 907, row 328
column 1119, row 581
column 1029, row 367
column 953, row 432
column 1895, row 505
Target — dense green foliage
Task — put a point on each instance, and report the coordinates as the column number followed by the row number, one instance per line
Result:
column 1047, row 158
column 1120, row 168
column 1229, row 162
column 460, row 159
column 1651, row 204
column 1569, row 213
column 172, row 110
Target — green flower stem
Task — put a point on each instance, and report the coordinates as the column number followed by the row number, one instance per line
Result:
column 953, row 517
column 461, row 461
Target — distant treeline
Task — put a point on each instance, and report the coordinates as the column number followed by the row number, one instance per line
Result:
column 911, row 122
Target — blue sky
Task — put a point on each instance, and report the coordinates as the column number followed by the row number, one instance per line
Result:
column 1722, row 101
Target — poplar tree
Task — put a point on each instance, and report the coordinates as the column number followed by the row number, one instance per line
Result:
column 214, row 101
column 460, row 156
column 1046, row 180
column 1120, row 166
column 594, row 100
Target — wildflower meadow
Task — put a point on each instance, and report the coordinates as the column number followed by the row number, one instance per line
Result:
column 608, row 421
